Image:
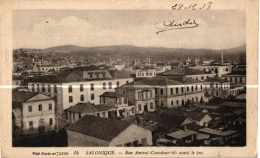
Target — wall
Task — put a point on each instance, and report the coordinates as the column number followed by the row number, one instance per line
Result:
column 80, row 140
column 36, row 115
column 130, row 134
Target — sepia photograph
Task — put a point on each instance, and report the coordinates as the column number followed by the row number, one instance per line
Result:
column 126, row 78
column 129, row 78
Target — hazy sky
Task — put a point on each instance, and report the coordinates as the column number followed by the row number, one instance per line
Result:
column 46, row 28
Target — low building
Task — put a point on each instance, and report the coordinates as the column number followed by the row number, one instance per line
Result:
column 238, row 77
column 145, row 73
column 182, row 137
column 95, row 131
column 218, row 69
column 32, row 113
column 74, row 113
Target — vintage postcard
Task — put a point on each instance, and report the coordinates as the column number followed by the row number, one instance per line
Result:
column 114, row 78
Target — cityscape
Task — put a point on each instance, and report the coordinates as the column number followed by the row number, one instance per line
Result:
column 125, row 85
column 64, row 101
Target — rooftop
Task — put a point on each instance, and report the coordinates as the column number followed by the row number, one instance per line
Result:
column 182, row 72
column 88, row 108
column 215, row 79
column 22, row 96
column 112, row 94
column 217, row 132
column 102, row 128
column 181, row 134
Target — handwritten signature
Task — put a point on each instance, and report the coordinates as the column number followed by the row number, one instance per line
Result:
column 172, row 24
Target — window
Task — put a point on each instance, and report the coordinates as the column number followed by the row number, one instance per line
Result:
column 235, row 80
column 144, row 141
column 79, row 115
column 187, row 89
column 192, row 89
column 90, row 75
column 211, row 85
column 49, row 88
column 70, row 88
column 182, row 89
column 43, row 88
column 110, row 85
column 177, row 90
column 50, row 122
column 227, row 69
column 92, row 87
column 151, row 105
column 38, row 87
column 196, row 88
column 70, row 99
column 171, row 91
column 241, row 80
column 98, row 114
column 117, row 84
column 151, row 94
column 202, row 77
column 197, row 99
column 139, row 107
column 92, row 96
column 161, row 91
column 81, row 88
column 97, row 75
column 104, row 86
column 216, row 85
column 82, row 98
column 139, row 95
column 55, row 89
column 201, row 87
column 172, row 102
column 29, row 108
column 30, row 124
column 156, row 90
column 125, row 100
column 177, row 102
column 50, row 106
column 40, row 107
column 230, row 79
column 33, row 87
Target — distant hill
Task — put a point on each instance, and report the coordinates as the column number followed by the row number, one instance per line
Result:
column 129, row 52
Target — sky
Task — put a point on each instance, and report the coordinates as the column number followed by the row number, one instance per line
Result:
column 218, row 29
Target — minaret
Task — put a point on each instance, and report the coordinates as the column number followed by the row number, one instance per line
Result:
column 222, row 57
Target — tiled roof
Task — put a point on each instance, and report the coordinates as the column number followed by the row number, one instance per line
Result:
column 22, row 96
column 88, row 108
column 181, row 134
column 167, row 121
column 76, row 75
column 182, row 72
column 194, row 115
column 112, row 94
column 102, row 128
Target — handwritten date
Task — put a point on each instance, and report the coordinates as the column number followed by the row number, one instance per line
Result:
column 195, row 6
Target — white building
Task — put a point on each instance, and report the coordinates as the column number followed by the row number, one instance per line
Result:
column 32, row 113
column 79, row 85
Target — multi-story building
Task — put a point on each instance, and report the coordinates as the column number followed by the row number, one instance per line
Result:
column 187, row 72
column 238, row 77
column 78, row 85
column 175, row 91
column 119, row 101
column 32, row 113
column 140, row 95
column 217, row 87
